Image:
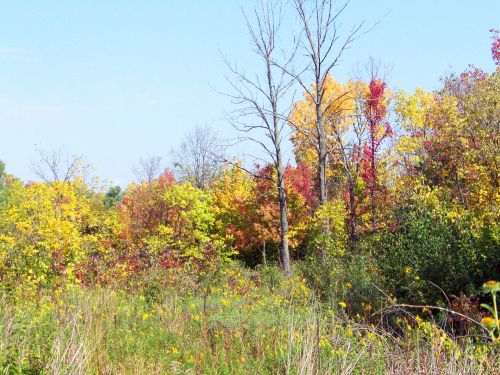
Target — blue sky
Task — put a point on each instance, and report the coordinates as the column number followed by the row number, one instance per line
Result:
column 119, row 80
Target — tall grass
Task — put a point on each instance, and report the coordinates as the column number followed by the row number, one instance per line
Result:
column 242, row 329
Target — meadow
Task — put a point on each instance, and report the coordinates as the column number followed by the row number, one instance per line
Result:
column 245, row 324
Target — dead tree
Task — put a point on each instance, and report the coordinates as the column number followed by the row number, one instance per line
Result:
column 323, row 47
column 261, row 99
column 148, row 169
column 59, row 166
column 198, row 158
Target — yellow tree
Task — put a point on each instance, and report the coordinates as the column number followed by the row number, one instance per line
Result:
column 450, row 138
column 338, row 119
column 233, row 202
column 49, row 231
column 347, row 132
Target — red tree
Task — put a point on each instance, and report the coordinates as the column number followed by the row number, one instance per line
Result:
column 375, row 112
column 495, row 46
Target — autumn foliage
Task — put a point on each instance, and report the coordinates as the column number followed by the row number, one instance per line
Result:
column 399, row 166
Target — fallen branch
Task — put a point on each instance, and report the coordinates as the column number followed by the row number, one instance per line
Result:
column 449, row 311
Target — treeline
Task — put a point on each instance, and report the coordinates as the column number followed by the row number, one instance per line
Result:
column 422, row 206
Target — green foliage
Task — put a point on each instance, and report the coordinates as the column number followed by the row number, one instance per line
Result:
column 430, row 244
column 113, row 197
column 189, row 231
column 350, row 279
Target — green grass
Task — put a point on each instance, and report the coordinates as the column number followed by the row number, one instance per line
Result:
column 243, row 326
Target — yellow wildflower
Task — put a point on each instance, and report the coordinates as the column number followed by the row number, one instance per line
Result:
column 492, row 286
column 488, row 321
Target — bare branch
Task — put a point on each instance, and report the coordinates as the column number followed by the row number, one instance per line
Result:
column 259, row 112
column 148, row 169
column 59, row 165
column 197, row 159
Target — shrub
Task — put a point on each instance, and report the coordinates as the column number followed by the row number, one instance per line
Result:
column 349, row 280
column 50, row 232
column 432, row 243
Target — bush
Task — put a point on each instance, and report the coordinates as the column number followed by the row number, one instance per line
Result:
column 431, row 244
column 350, row 279
column 49, row 233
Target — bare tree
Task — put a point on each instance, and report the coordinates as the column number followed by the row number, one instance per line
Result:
column 198, row 158
column 59, row 165
column 260, row 104
column 323, row 47
column 148, row 169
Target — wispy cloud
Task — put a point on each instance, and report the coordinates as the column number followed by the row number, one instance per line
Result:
column 14, row 51
column 15, row 109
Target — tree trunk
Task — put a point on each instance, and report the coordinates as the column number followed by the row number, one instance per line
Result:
column 352, row 213
column 284, row 250
column 264, row 259
column 322, row 170
column 322, row 158
column 322, row 176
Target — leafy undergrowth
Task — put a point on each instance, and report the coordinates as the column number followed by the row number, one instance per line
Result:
column 245, row 323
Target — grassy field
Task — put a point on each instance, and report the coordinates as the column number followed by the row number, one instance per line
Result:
column 242, row 324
